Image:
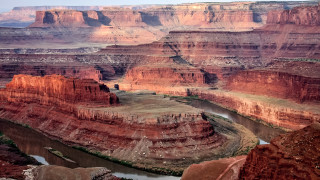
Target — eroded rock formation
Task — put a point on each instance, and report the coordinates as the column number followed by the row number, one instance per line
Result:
column 222, row 169
column 305, row 15
column 167, row 78
column 157, row 132
column 290, row 156
column 7, row 71
column 277, row 84
column 274, row 111
column 57, row 89
column 130, row 24
column 261, row 71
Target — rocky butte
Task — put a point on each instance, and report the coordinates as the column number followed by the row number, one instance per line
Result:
column 159, row 134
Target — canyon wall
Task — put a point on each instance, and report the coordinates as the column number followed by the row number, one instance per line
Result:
column 83, row 66
column 82, row 113
column 7, row 71
column 222, row 169
column 24, row 16
column 57, row 89
column 173, row 75
column 276, row 84
column 224, row 15
column 272, row 67
column 305, row 15
column 290, row 156
column 199, row 16
column 274, row 111
column 130, row 24
column 197, row 46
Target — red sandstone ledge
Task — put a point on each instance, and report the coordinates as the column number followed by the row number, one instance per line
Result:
column 69, row 90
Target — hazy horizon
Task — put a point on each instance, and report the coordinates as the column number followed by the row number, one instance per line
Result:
column 9, row 5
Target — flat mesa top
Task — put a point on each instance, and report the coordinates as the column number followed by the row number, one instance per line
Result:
column 148, row 105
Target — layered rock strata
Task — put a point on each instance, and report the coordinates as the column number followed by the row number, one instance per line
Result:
column 305, row 15
column 277, row 84
column 83, row 66
column 222, row 169
column 130, row 24
column 255, row 70
column 290, row 156
column 274, row 111
column 57, row 90
column 23, row 16
column 7, row 71
column 165, row 79
column 157, row 132
column 196, row 46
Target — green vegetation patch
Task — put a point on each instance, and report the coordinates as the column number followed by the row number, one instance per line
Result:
column 5, row 140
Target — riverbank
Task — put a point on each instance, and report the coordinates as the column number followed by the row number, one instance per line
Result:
column 223, row 126
column 188, row 100
column 13, row 162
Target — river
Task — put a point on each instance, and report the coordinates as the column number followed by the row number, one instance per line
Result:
column 263, row 132
column 32, row 142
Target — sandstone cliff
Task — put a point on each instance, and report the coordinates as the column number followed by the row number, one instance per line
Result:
column 239, row 15
column 24, row 16
column 290, row 156
column 222, row 169
column 57, row 89
column 276, row 84
column 164, row 78
column 133, row 24
column 171, row 75
column 193, row 15
column 308, row 15
column 208, row 47
column 7, row 71
column 268, row 65
column 274, row 111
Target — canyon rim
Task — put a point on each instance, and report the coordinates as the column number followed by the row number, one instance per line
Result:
column 162, row 90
